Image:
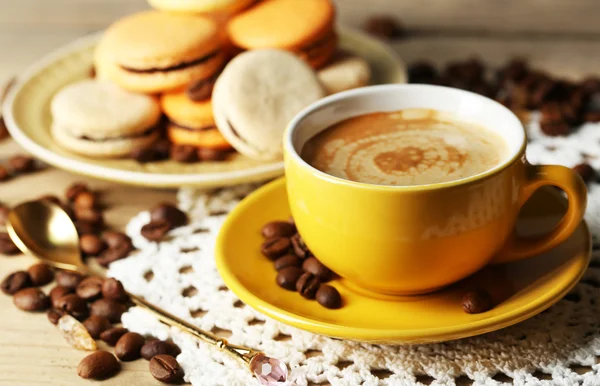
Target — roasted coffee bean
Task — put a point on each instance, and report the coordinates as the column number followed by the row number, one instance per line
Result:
column 586, row 171
column 159, row 347
column 74, row 190
column 4, row 211
column 7, row 247
column 90, row 288
column 4, row 174
column 129, row 346
column 592, row 116
column 275, row 247
column 119, row 246
column 288, row 260
column 156, row 230
column 422, row 72
column 50, row 198
column 307, row 285
column 287, row 277
column 91, row 245
column 166, row 369
column 477, row 301
column 169, row 212
column 514, row 71
column 554, row 129
column 384, row 27
column 98, row 365
column 21, row 164
column 73, row 305
column 113, row 289
column 540, row 93
column 57, row 293
column 551, row 112
column 54, row 315
column 41, row 274
column 68, row 279
column 200, row 90
column 85, row 200
column 328, row 297
column 300, row 249
column 86, row 228
column 144, row 155
column 89, row 215
column 211, row 155
column 317, row 268
column 108, row 308
column 31, row 299
column 112, row 335
column 184, row 153
column 114, row 238
column 278, row 229
column 15, row 282
column 96, row 325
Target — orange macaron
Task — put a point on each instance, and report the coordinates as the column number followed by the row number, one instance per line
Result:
column 192, row 123
column 304, row 27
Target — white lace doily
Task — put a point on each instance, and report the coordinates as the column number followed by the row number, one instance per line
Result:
column 558, row 347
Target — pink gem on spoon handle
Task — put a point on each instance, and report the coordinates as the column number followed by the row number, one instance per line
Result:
column 269, row 371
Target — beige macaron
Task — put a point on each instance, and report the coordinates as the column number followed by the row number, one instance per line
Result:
column 345, row 72
column 257, row 95
column 96, row 118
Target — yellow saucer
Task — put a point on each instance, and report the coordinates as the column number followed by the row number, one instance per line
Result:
column 520, row 290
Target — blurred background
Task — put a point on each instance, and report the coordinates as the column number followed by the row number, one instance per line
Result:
column 561, row 36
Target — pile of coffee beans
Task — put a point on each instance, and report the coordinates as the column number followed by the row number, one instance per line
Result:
column 163, row 218
column 17, row 165
column 297, row 268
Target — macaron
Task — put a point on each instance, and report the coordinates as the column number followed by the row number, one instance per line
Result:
column 346, row 71
column 221, row 7
column 304, row 27
column 155, row 51
column 96, row 118
column 192, row 123
column 257, row 95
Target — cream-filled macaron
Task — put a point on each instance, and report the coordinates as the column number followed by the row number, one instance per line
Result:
column 96, row 118
column 219, row 7
column 257, row 95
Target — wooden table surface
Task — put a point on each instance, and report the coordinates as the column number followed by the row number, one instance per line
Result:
column 560, row 36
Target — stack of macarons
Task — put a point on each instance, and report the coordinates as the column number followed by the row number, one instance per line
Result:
column 226, row 74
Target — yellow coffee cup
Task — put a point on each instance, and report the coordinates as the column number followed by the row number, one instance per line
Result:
column 415, row 239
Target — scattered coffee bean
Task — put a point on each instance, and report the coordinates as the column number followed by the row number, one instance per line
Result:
column 129, row 346
column 592, row 116
column 307, row 285
column 286, row 261
column 7, row 247
column 91, row 245
column 329, row 297
column 112, row 335
column 98, row 365
column 41, row 274
column 586, row 171
column 85, row 200
column 115, row 239
column 31, row 299
column 76, row 188
column 4, row 174
column 555, row 128
column 170, row 213
column 15, row 282
column 86, row 228
column 21, row 164
column 144, row 155
column 477, row 301
column 300, row 249
column 384, row 27
column 90, row 288
column 96, row 325
column 166, row 369
column 211, row 155
column 113, row 289
column 159, row 347
column 184, row 153
column 89, row 215
column 57, row 293
column 422, row 72
column 54, row 315
column 73, row 305
column 50, row 198
column 68, row 279
column 200, row 90
column 113, row 254
column 287, row 277
column 4, row 211
column 278, row 229
column 275, row 247
column 156, row 230
column 110, row 309
column 315, row 267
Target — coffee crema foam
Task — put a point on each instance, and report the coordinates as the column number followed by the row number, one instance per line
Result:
column 404, row 148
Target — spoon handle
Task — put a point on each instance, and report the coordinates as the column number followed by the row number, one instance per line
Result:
column 241, row 353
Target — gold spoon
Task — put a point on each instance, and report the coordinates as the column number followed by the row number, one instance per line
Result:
column 44, row 230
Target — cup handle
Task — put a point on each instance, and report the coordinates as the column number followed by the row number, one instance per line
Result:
column 572, row 184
